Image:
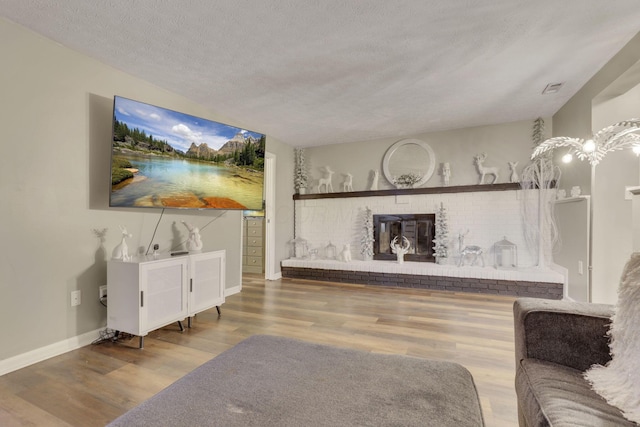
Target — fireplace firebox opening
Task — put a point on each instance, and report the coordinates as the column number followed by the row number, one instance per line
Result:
column 419, row 229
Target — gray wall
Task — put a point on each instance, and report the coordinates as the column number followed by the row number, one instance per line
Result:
column 55, row 116
column 503, row 143
column 592, row 108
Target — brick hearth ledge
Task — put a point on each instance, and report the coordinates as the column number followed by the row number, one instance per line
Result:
column 533, row 281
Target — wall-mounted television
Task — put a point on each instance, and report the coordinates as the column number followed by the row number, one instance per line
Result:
column 161, row 158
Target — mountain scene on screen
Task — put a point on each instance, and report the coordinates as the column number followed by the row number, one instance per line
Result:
column 162, row 158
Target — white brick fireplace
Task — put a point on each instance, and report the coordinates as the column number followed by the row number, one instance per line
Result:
column 489, row 216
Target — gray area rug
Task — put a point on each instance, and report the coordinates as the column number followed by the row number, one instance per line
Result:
column 275, row 381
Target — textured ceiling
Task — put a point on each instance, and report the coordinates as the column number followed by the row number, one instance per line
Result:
column 311, row 72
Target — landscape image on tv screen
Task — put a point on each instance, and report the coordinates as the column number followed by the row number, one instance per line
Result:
column 166, row 159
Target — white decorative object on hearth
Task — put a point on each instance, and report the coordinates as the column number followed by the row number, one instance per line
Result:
column 299, row 248
column 326, row 181
column 542, row 176
column 475, row 252
column 367, row 238
column 345, row 255
column 400, row 250
column 483, row 170
column 506, row 254
column 442, row 235
column 330, row 251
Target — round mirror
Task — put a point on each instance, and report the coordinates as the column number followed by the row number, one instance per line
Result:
column 409, row 163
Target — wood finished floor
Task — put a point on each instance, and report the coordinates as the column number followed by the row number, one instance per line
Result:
column 93, row 385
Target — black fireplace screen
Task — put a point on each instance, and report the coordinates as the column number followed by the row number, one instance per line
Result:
column 419, row 229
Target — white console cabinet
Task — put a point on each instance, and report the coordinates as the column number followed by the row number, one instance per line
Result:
column 150, row 292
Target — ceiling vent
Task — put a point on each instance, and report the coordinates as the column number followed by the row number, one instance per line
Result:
column 552, row 88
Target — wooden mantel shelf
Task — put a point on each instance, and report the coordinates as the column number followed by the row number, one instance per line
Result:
column 411, row 191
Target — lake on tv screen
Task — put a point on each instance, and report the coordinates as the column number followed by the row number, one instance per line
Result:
column 187, row 183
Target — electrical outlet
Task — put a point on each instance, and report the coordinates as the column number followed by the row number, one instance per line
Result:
column 102, row 292
column 580, row 268
column 75, row 298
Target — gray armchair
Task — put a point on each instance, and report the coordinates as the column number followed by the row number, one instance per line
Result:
column 555, row 342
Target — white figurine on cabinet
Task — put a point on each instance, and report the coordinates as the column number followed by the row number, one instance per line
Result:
column 121, row 251
column 194, row 243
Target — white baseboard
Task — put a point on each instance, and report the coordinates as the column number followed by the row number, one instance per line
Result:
column 232, row 291
column 43, row 353
column 276, row 276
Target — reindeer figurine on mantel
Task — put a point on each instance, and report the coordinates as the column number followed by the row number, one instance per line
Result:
column 326, row 181
column 465, row 251
column 482, row 170
column 400, row 250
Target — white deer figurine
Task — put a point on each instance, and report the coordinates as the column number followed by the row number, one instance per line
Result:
column 400, row 250
column 479, row 160
column 347, row 185
column 121, row 251
column 465, row 251
column 326, row 181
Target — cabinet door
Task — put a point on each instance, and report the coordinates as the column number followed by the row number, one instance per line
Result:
column 163, row 295
column 206, row 289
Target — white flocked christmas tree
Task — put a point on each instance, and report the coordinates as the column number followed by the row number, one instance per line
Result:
column 366, row 248
column 442, row 235
column 300, row 173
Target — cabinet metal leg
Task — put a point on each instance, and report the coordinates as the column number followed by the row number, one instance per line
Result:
column 181, row 327
column 218, row 308
column 141, row 342
column 188, row 322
